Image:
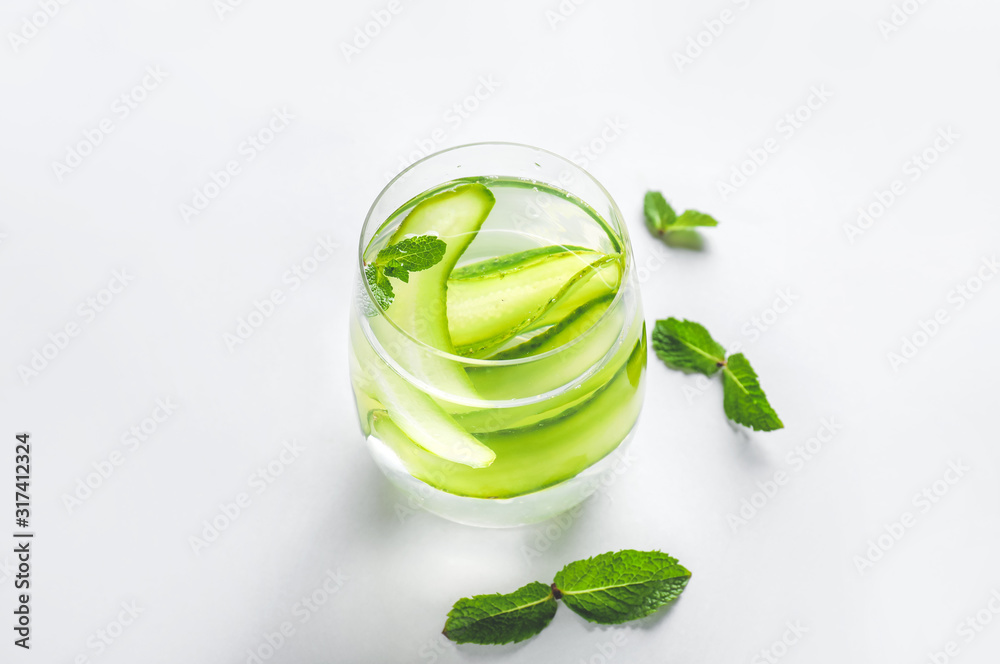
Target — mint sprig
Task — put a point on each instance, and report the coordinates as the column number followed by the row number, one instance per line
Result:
column 663, row 221
column 611, row 588
column 687, row 346
column 411, row 254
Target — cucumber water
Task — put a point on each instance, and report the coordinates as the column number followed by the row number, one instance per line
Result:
column 513, row 364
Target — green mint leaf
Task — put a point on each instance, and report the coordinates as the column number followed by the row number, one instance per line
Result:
column 413, row 253
column 693, row 218
column 687, row 346
column 744, row 400
column 659, row 215
column 684, row 239
column 498, row 619
column 397, row 273
column 675, row 231
column 617, row 587
column 380, row 286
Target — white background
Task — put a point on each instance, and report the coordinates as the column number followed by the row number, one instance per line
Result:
column 558, row 83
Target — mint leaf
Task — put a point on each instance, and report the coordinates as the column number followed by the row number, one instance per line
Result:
column 659, row 215
column 616, row 587
column 744, row 400
column 411, row 254
column 662, row 221
column 397, row 273
column 693, row 218
column 610, row 588
column 381, row 287
column 498, row 619
column 687, row 346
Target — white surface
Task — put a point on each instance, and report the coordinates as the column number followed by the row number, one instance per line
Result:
column 163, row 337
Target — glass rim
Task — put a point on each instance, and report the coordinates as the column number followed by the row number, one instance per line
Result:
column 619, row 228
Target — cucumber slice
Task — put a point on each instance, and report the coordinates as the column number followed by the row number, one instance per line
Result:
column 569, row 328
column 455, row 216
column 637, row 360
column 419, row 308
column 484, row 312
column 415, row 413
column 530, row 458
column 509, row 262
column 601, row 278
column 503, row 382
column 424, row 421
column 552, row 372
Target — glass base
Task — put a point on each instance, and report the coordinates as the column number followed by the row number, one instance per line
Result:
column 495, row 512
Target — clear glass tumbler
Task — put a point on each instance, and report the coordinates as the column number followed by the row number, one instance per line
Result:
column 494, row 386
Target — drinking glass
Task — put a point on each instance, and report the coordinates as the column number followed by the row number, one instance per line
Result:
column 530, row 418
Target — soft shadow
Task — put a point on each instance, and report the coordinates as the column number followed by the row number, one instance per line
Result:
column 474, row 651
column 557, row 538
column 377, row 506
column 653, row 621
column 750, row 452
column 689, row 240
